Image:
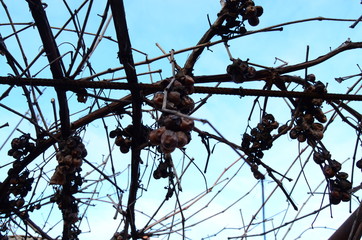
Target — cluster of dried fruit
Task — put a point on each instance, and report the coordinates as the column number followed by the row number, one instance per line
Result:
column 122, row 138
column 70, row 158
column 339, row 187
column 21, row 146
column 174, row 131
column 69, row 207
column 19, row 187
column 306, row 129
column 163, row 170
column 244, row 8
column 250, row 12
column 240, row 71
column 177, row 96
column 310, row 110
column 259, row 139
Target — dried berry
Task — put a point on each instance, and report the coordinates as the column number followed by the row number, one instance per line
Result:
column 337, row 166
column 346, row 197
column 253, row 21
column 302, row 138
column 119, row 140
column 318, row 158
column 155, row 135
column 328, row 171
column 293, row 134
column 259, row 11
column 359, row 164
column 158, row 99
column 182, row 139
column 187, row 105
column 174, row 97
column 342, row 175
column 335, row 197
column 319, row 115
column 186, row 124
column 308, row 118
column 171, row 122
column 311, row 78
column 169, row 141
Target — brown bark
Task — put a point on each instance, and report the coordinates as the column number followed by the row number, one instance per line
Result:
column 351, row 229
column 126, row 58
column 53, row 55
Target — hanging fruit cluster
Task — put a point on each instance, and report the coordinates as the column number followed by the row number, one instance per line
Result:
column 240, row 71
column 250, row 12
column 235, row 8
column 310, row 110
column 339, row 186
column 21, row 146
column 174, row 131
column 123, row 138
column 69, row 207
column 307, row 129
column 70, row 158
column 20, row 186
column 164, row 170
column 258, row 140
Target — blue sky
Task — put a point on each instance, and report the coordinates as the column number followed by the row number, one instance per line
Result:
column 180, row 24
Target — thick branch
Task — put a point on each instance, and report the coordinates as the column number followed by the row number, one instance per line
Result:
column 53, row 55
column 190, row 62
column 263, row 74
column 346, row 229
column 152, row 88
column 126, row 58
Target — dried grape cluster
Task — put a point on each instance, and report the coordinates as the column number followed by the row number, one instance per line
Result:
column 258, row 140
column 123, row 137
column 19, row 187
column 69, row 207
column 174, row 130
column 240, row 71
column 70, row 158
column 339, row 186
column 306, row 129
column 310, row 110
column 21, row 146
column 250, row 12
column 235, row 8
column 163, row 170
